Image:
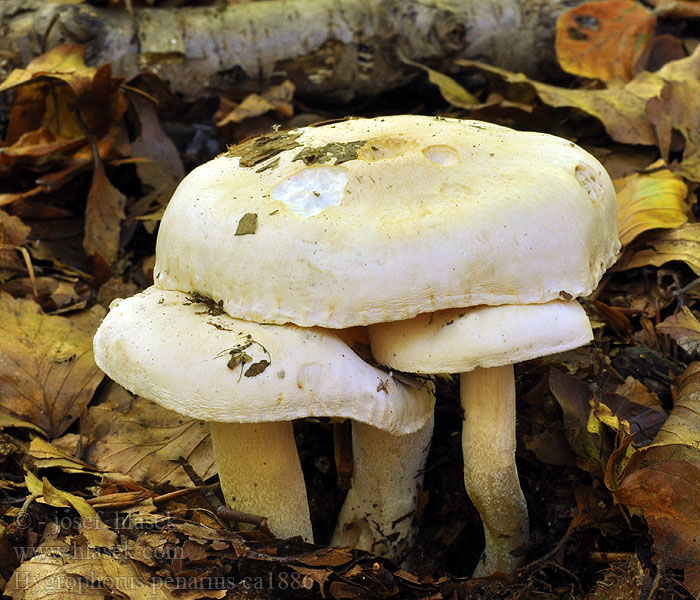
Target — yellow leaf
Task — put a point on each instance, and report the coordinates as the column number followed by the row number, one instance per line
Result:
column 650, row 201
column 451, row 91
column 46, row 455
column 64, row 62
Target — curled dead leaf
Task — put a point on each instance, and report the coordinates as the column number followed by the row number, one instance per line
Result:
column 681, row 243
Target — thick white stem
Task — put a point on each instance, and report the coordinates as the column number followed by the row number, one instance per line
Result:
column 260, row 473
column 490, row 474
column 378, row 514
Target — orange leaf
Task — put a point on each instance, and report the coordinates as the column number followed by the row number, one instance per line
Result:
column 604, row 40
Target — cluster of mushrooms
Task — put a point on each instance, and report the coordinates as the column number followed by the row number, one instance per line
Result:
column 450, row 246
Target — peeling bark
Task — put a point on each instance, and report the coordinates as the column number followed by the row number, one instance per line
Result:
column 335, row 48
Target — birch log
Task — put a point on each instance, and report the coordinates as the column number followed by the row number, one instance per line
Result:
column 337, row 49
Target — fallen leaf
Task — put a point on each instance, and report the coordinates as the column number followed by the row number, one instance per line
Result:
column 650, row 201
column 47, row 370
column 682, row 243
column 7, row 420
column 103, row 216
column 13, row 234
column 604, row 40
column 163, row 169
column 635, row 391
column 662, row 482
column 138, row 438
column 97, row 534
column 451, row 91
column 622, row 113
column 628, row 418
column 64, row 62
column 684, row 328
column 646, row 110
column 683, row 424
column 277, row 97
column 46, row 455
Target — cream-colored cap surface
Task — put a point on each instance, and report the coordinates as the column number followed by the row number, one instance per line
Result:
column 163, row 347
column 373, row 220
column 459, row 340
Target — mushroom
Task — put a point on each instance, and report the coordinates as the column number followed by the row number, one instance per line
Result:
column 374, row 220
column 249, row 381
column 370, row 221
column 482, row 343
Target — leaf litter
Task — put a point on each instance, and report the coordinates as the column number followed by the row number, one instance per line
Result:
column 613, row 430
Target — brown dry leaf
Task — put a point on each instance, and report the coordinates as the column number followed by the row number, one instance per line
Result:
column 647, row 110
column 138, row 438
column 47, row 370
column 650, row 201
column 278, row 97
column 164, row 168
column 103, row 216
column 682, row 243
column 13, row 234
column 622, row 113
column 662, row 482
column 604, row 40
column 684, row 328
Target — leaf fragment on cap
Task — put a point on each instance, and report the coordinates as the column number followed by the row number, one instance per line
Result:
column 248, row 224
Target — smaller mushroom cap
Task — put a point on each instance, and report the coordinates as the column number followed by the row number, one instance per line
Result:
column 460, row 340
column 163, row 346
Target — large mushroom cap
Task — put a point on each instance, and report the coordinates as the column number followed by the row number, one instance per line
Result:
column 461, row 339
column 162, row 346
column 374, row 220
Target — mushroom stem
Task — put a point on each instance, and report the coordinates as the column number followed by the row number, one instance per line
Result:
column 378, row 513
column 490, row 473
column 260, row 473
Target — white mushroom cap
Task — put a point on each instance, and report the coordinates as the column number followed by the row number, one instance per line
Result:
column 373, row 220
column 163, row 347
column 459, row 340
